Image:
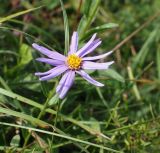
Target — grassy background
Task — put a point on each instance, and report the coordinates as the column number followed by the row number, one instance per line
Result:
column 123, row 116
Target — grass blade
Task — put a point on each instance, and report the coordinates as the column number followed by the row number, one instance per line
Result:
column 61, row 136
column 135, row 88
column 99, row 29
column 4, row 19
column 112, row 74
column 24, row 116
column 51, row 111
column 158, row 61
column 66, row 27
column 141, row 56
column 87, row 19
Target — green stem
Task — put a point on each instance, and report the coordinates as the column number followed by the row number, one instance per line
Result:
column 55, row 123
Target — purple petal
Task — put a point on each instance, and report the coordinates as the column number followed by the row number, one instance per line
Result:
column 92, row 47
column 92, row 65
column 97, row 57
column 83, row 49
column 62, row 82
column 55, row 72
column 49, row 53
column 67, row 85
column 74, row 43
column 44, row 73
column 89, row 79
column 50, row 61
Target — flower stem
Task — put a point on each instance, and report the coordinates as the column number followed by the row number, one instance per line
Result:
column 55, row 123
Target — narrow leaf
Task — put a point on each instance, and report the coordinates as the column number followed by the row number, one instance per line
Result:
column 135, row 88
column 51, row 111
column 146, row 48
column 158, row 61
column 88, row 17
column 62, row 136
column 23, row 116
column 112, row 74
column 99, row 29
column 66, row 28
column 4, row 19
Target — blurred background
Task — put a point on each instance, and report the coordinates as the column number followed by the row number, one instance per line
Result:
column 126, row 109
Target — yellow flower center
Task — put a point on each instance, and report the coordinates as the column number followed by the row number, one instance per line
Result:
column 74, row 62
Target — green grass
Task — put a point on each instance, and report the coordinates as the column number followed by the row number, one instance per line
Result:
column 122, row 116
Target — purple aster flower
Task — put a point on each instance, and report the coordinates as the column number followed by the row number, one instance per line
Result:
column 74, row 62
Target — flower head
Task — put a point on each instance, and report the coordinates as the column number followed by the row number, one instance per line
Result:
column 74, row 63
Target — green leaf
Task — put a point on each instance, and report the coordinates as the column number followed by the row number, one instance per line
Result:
column 51, row 111
column 146, row 48
column 61, row 136
column 103, row 27
column 50, row 4
column 135, row 88
column 158, row 61
column 82, row 25
column 95, row 124
column 91, row 8
column 20, row 98
column 16, row 103
column 24, row 116
column 54, row 100
column 66, row 28
column 15, row 141
column 100, row 29
column 25, row 54
column 87, row 5
column 4, row 19
column 112, row 74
